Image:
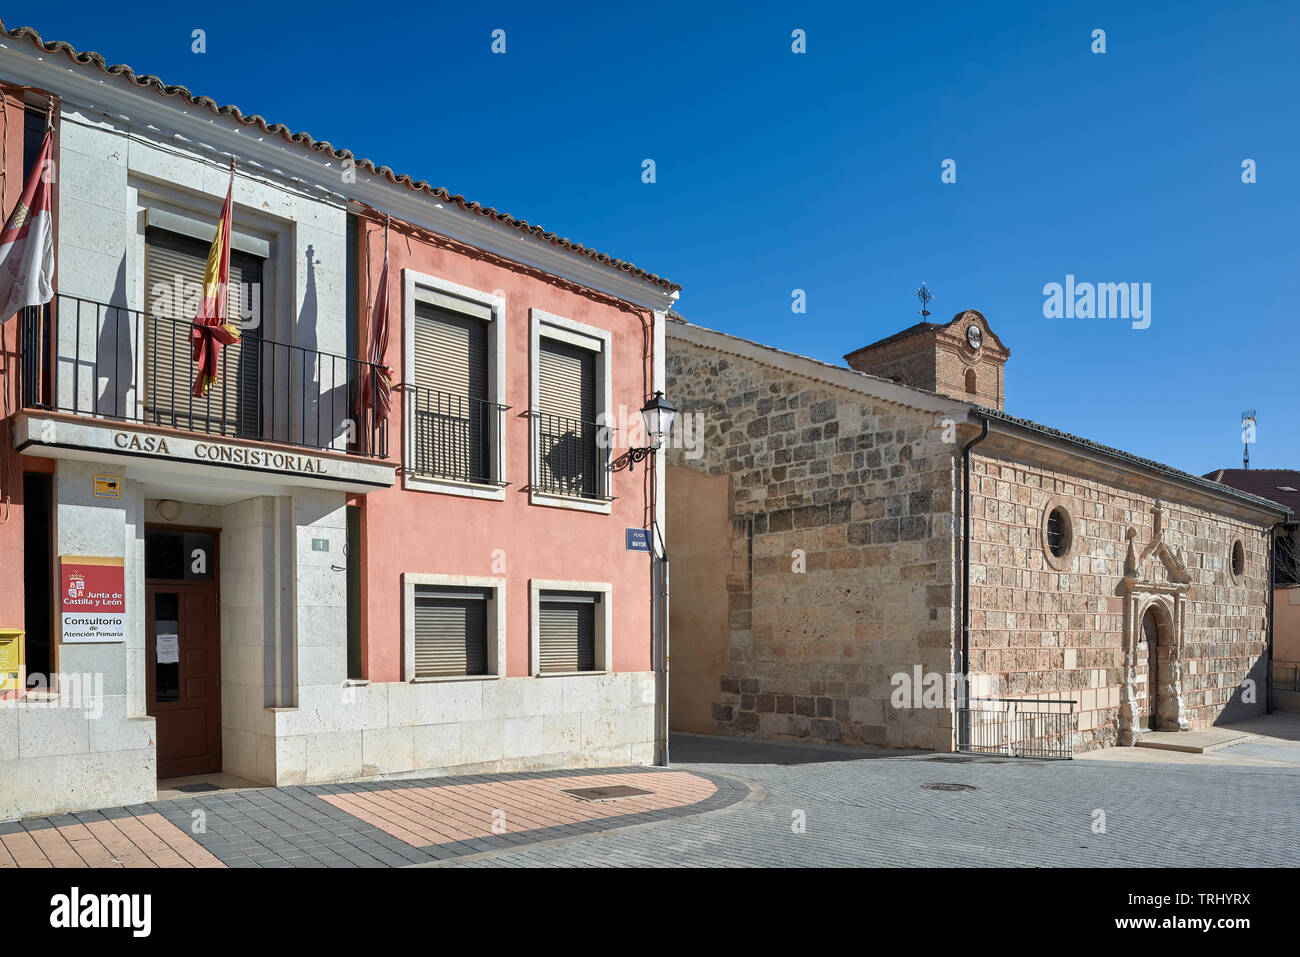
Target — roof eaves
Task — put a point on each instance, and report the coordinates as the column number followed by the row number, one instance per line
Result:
column 149, row 81
column 1149, row 465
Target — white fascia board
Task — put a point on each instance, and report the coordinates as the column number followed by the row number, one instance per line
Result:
column 195, row 127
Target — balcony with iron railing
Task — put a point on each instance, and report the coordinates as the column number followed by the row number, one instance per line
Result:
column 455, row 437
column 129, row 366
column 570, row 457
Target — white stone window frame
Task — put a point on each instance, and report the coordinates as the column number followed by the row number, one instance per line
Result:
column 544, row 324
column 194, row 214
column 1061, row 563
column 412, row 283
column 1235, row 578
column 496, row 624
column 604, row 625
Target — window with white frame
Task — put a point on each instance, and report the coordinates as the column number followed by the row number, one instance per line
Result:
column 570, row 627
column 455, row 627
column 454, row 388
column 570, row 401
column 454, row 421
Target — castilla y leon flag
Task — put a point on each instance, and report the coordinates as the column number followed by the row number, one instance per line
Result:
column 210, row 330
column 27, row 243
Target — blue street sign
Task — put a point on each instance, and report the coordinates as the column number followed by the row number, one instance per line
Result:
column 638, row 540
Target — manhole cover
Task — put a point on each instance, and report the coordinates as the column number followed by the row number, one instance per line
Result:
column 951, row 759
column 195, row 788
column 949, row 787
column 610, row 793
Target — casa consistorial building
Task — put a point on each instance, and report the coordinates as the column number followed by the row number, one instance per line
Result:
column 222, row 552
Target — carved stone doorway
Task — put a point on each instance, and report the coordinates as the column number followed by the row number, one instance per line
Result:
column 1154, row 589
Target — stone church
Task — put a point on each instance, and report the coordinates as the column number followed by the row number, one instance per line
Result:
column 845, row 536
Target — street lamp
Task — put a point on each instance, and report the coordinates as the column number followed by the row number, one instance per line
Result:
column 658, row 414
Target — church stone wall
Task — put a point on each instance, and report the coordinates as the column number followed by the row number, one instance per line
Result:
column 1059, row 633
column 842, row 547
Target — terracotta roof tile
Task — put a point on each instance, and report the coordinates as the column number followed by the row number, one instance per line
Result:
column 149, row 81
column 1278, row 485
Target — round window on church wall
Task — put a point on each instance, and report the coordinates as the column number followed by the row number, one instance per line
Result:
column 1238, row 559
column 1058, row 532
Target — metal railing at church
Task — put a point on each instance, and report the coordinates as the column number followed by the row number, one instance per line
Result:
column 1017, row 727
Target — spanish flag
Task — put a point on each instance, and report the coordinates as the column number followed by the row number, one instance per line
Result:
column 211, row 330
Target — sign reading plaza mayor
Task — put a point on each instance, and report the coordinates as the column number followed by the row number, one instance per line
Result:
column 220, row 454
column 93, row 602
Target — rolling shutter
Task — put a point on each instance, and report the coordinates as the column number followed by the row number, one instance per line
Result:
column 566, row 401
column 450, row 632
column 174, row 267
column 566, row 381
column 452, row 419
column 566, row 634
column 450, row 353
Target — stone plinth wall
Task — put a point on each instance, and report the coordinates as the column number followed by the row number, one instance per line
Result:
column 841, row 552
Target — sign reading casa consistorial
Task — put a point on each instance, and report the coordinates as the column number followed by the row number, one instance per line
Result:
column 223, row 454
column 93, row 599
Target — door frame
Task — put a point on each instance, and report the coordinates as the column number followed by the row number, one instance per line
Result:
column 154, row 585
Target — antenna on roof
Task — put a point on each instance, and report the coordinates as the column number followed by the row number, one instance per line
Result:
column 1247, row 436
column 926, row 298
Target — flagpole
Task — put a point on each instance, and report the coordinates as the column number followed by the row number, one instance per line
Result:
column 374, row 368
column 230, row 241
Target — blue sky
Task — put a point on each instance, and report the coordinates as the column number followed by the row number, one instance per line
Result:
column 821, row 171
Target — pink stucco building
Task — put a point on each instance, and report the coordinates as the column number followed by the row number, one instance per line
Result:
column 300, row 594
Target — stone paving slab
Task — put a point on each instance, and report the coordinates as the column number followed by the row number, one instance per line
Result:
column 371, row 824
column 1194, row 742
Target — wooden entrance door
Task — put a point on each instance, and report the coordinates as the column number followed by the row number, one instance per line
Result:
column 183, row 655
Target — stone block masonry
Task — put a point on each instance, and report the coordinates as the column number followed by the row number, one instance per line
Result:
column 842, row 547
column 1060, row 632
column 833, row 499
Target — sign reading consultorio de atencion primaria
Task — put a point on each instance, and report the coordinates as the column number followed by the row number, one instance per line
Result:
column 92, row 599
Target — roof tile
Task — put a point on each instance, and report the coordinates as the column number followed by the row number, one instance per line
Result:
column 146, row 80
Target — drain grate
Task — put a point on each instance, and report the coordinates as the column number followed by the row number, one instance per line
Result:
column 950, row 759
column 195, row 788
column 612, row 792
column 948, row 787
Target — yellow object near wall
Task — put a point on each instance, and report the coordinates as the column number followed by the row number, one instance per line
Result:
column 11, row 661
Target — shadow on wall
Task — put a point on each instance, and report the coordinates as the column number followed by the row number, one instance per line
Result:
column 1256, row 684
column 327, row 386
column 115, row 351
column 727, row 749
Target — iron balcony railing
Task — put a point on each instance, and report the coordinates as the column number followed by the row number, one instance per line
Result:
column 570, row 457
column 104, row 361
column 1017, row 727
column 455, row 437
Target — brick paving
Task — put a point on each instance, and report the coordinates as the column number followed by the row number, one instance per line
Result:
column 807, row 808
column 102, row 839
column 870, row 809
column 373, row 824
column 447, row 814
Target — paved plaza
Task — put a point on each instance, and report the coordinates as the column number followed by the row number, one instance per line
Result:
column 729, row 802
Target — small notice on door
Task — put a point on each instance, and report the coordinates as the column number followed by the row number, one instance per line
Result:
column 169, row 649
column 108, row 486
